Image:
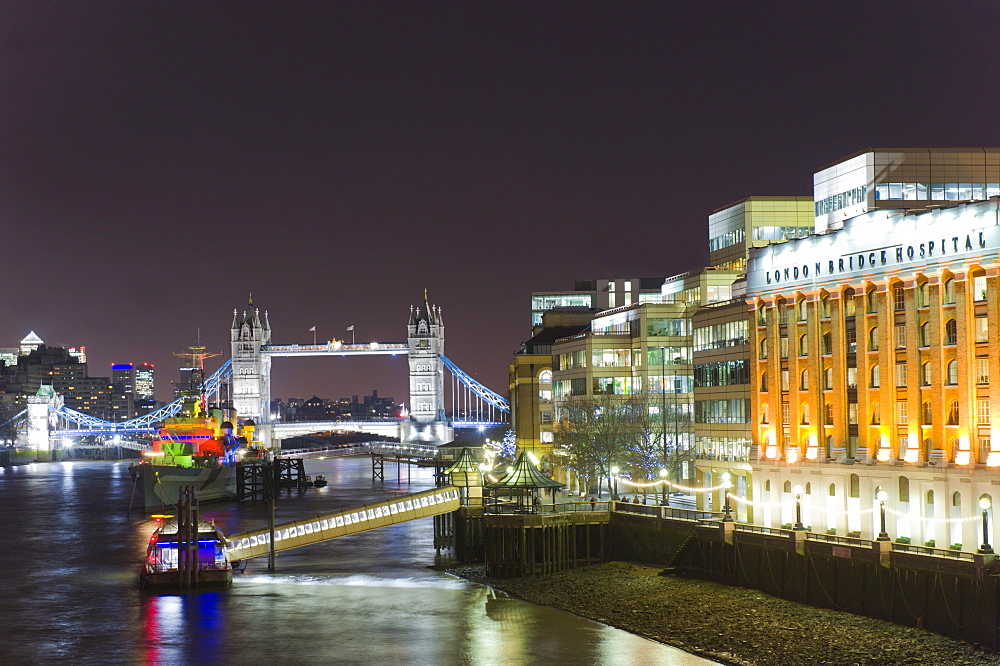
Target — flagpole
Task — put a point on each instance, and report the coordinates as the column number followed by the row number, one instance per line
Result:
column 314, row 335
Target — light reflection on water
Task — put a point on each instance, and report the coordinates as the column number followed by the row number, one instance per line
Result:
column 369, row 598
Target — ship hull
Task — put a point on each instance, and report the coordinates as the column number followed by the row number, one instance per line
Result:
column 173, row 579
column 160, row 485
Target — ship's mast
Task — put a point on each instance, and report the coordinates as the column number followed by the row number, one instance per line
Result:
column 197, row 355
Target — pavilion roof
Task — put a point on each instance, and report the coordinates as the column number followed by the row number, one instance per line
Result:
column 465, row 464
column 525, row 475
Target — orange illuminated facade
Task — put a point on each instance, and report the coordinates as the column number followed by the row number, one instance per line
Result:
column 874, row 349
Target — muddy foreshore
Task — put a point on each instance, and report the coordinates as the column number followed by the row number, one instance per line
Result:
column 729, row 624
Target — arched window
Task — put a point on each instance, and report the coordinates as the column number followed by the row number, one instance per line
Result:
column 925, row 373
column 763, row 412
column 787, row 487
column 804, row 381
column 904, row 489
column 922, row 295
column 873, row 338
column 898, row 299
column 874, row 383
column 949, row 291
column 828, row 379
column 828, row 409
column 956, row 499
column 763, row 348
column 924, row 335
column 802, row 309
column 763, row 382
column 870, row 300
column 950, row 332
column 876, row 414
column 809, row 488
column 824, row 306
column 953, row 413
column 927, row 414
column 761, row 315
column 805, row 414
column 767, row 486
column 855, row 490
column 850, row 306
column 545, row 377
column 827, row 343
column 952, row 373
column 833, row 490
column 803, row 345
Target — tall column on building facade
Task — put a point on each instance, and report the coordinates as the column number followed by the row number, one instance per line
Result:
column 425, row 337
column 252, row 369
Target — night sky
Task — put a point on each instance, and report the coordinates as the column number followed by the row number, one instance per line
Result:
column 161, row 160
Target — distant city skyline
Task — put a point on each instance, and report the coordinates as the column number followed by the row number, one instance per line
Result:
column 162, row 161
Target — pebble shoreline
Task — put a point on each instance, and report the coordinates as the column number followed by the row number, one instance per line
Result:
column 730, row 625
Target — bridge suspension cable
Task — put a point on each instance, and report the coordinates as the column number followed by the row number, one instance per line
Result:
column 145, row 422
column 493, row 398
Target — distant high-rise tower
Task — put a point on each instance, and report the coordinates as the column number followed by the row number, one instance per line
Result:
column 123, row 391
column 123, row 374
column 144, row 384
column 30, row 343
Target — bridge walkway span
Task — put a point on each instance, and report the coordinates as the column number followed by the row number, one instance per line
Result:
column 256, row 543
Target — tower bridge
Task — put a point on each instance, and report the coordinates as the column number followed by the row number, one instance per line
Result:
column 248, row 372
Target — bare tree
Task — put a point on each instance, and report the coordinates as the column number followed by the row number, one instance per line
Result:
column 601, row 431
column 642, row 433
column 9, row 424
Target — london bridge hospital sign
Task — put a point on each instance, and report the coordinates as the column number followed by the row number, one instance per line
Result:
column 881, row 240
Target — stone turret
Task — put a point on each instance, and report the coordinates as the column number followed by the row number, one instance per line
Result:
column 425, row 337
column 251, row 369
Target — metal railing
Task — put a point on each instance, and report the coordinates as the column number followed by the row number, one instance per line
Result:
column 844, row 540
column 760, row 529
column 934, row 552
column 503, row 507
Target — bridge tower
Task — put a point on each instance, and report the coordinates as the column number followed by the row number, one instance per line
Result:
column 251, row 369
column 425, row 337
column 40, row 420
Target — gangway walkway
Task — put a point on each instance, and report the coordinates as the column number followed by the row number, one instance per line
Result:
column 363, row 448
column 255, row 543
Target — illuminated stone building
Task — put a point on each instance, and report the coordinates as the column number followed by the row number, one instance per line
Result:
column 530, row 378
column 875, row 348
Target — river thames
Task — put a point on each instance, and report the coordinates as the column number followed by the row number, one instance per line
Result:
column 70, row 559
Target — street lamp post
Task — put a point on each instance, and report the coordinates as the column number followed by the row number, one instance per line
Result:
column 726, row 485
column 798, row 527
column 882, row 496
column 663, row 418
column 614, row 473
column 985, row 549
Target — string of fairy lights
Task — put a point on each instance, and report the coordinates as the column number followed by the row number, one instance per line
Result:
column 663, row 484
column 790, row 504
